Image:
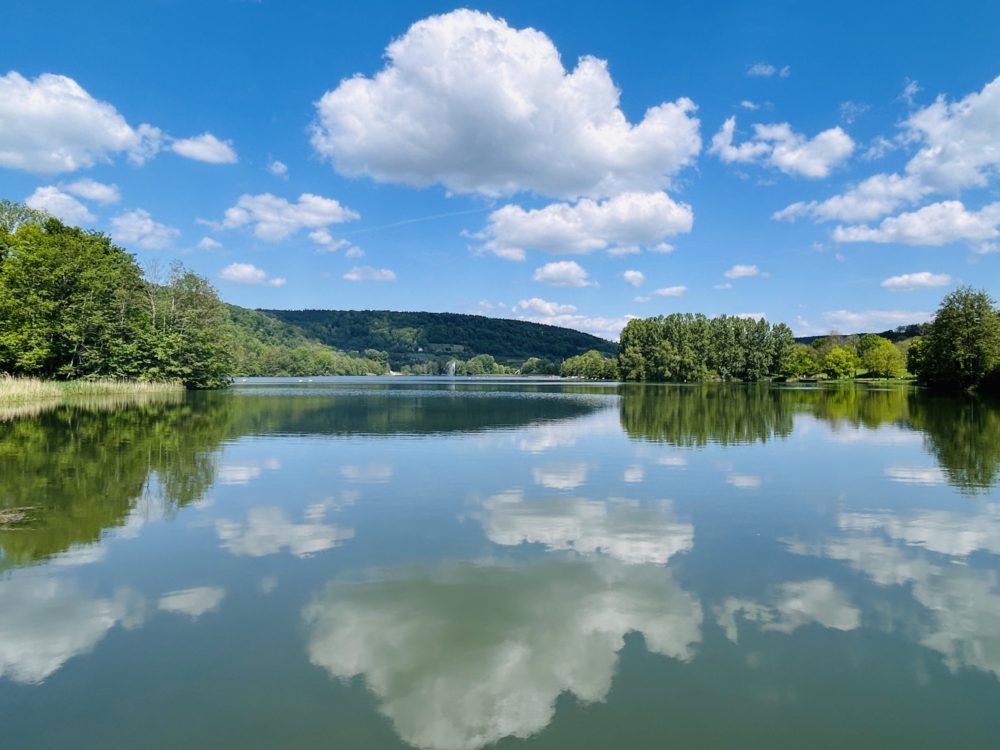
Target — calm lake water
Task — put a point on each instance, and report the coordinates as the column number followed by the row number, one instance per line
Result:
column 376, row 563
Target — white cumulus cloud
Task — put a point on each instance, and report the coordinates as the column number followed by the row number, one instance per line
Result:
column 634, row 278
column 921, row 280
column 628, row 220
column 539, row 306
column 63, row 206
column 859, row 321
column 205, row 147
column 958, row 147
column 940, row 223
column 777, row 145
column 273, row 218
column 52, row 124
column 92, row 190
column 138, row 227
column 563, row 273
column 742, row 271
column 277, row 168
column 249, row 274
column 471, row 103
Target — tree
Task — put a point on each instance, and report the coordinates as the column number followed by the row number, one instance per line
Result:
column 801, row 362
column 961, row 346
column 880, row 357
column 68, row 303
column 840, row 362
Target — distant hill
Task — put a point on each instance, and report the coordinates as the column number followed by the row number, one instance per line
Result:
column 417, row 337
column 902, row 333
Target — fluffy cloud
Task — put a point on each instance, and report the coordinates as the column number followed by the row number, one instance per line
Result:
column 627, row 531
column 606, row 327
column 910, row 281
column 205, row 147
column 539, row 310
column 367, row 273
column 277, row 168
column 634, row 278
column 63, row 206
column 874, row 197
column 958, row 148
column 45, row 622
column 454, row 669
column 563, row 273
column 193, row 602
column 477, row 106
column 249, row 274
column 627, row 220
column 778, row 146
column 137, row 227
column 935, row 224
column 539, row 306
column 855, row 321
column 51, row 124
column 267, row 531
column 207, row 243
column 742, row 271
column 92, row 190
column 273, row 219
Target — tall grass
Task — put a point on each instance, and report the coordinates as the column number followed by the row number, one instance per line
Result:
column 119, row 387
column 31, row 396
column 26, row 390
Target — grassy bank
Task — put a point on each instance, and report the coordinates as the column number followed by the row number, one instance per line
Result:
column 31, row 392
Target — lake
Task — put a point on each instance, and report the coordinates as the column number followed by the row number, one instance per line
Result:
column 455, row 564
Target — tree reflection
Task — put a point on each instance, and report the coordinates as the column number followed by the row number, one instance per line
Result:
column 963, row 433
column 79, row 470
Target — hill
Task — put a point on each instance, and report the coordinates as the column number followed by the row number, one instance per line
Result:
column 411, row 338
column 895, row 335
column 265, row 345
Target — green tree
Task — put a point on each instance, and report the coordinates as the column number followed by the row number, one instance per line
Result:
column 68, row 303
column 961, row 346
column 840, row 362
column 880, row 357
column 801, row 362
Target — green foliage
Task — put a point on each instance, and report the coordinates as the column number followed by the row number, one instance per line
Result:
column 880, row 357
column 801, row 362
column 840, row 362
column 690, row 348
column 961, row 346
column 417, row 338
column 74, row 305
column 538, row 366
column 591, row 366
column 264, row 345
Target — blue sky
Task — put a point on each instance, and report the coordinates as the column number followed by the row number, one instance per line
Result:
column 835, row 167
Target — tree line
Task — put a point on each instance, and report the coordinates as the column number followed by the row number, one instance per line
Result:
column 75, row 305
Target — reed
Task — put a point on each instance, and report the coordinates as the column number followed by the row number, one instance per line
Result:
column 28, row 395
